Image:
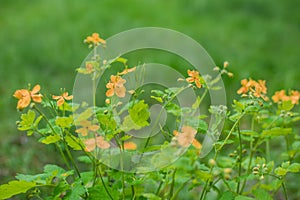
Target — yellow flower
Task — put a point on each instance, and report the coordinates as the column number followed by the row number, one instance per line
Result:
column 194, row 77
column 94, row 39
column 61, row 99
column 295, row 96
column 86, row 127
column 116, row 85
column 187, row 137
column 281, row 96
column 130, row 146
column 25, row 97
column 257, row 89
column 90, row 144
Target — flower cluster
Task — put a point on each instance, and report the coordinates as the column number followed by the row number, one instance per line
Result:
column 254, row 88
column 281, row 96
column 94, row 39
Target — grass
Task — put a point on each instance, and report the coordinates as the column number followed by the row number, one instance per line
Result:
column 41, row 42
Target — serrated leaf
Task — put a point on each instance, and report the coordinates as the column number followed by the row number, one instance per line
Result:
column 84, row 115
column 173, row 109
column 295, row 167
column 227, row 196
column 261, row 194
column 50, row 139
column 139, row 114
column 64, row 122
column 277, row 131
column 280, row 171
column 98, row 192
column 73, row 142
column 27, row 122
column 287, row 105
column 15, row 187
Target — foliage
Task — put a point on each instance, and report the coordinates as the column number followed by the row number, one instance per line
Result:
column 239, row 168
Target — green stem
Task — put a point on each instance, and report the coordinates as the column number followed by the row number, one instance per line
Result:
column 179, row 189
column 282, row 184
column 160, row 184
column 205, row 189
column 239, row 161
column 172, row 184
column 102, row 181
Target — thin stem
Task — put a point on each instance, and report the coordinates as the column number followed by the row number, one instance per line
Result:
column 160, row 184
column 172, row 184
column 102, row 181
column 205, row 189
column 282, row 184
column 179, row 189
column 239, row 161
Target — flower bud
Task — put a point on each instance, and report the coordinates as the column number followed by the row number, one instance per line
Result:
column 212, row 162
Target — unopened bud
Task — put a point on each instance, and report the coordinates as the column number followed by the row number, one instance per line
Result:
column 225, row 64
column 212, row 162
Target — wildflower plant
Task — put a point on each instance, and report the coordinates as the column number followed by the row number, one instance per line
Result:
column 141, row 143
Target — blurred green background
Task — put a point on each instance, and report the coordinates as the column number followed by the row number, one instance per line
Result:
column 42, row 42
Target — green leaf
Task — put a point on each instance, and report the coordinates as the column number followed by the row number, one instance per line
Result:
column 121, row 60
column 139, row 113
column 151, row 196
column 76, row 191
column 15, row 187
column 84, row 115
column 84, row 159
column 287, row 105
column 295, row 167
column 240, row 197
column 98, row 192
column 28, row 122
column 261, row 194
column 250, row 133
column 64, row 122
column 277, row 131
column 173, row 109
column 159, row 99
column 50, row 139
column 128, row 124
column 73, row 142
column 280, row 171
column 227, row 196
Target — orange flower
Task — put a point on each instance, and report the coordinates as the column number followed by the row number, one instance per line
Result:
column 94, row 39
column 295, row 96
column 25, row 97
column 127, row 70
column 257, row 89
column 61, row 99
column 86, row 127
column 116, row 85
column 280, row 96
column 194, row 77
column 130, row 146
column 187, row 137
column 89, row 67
column 90, row 144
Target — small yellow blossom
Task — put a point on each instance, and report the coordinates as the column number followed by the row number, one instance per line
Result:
column 194, row 77
column 116, row 86
column 90, row 144
column 94, row 39
column 86, row 127
column 25, row 96
column 61, row 99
